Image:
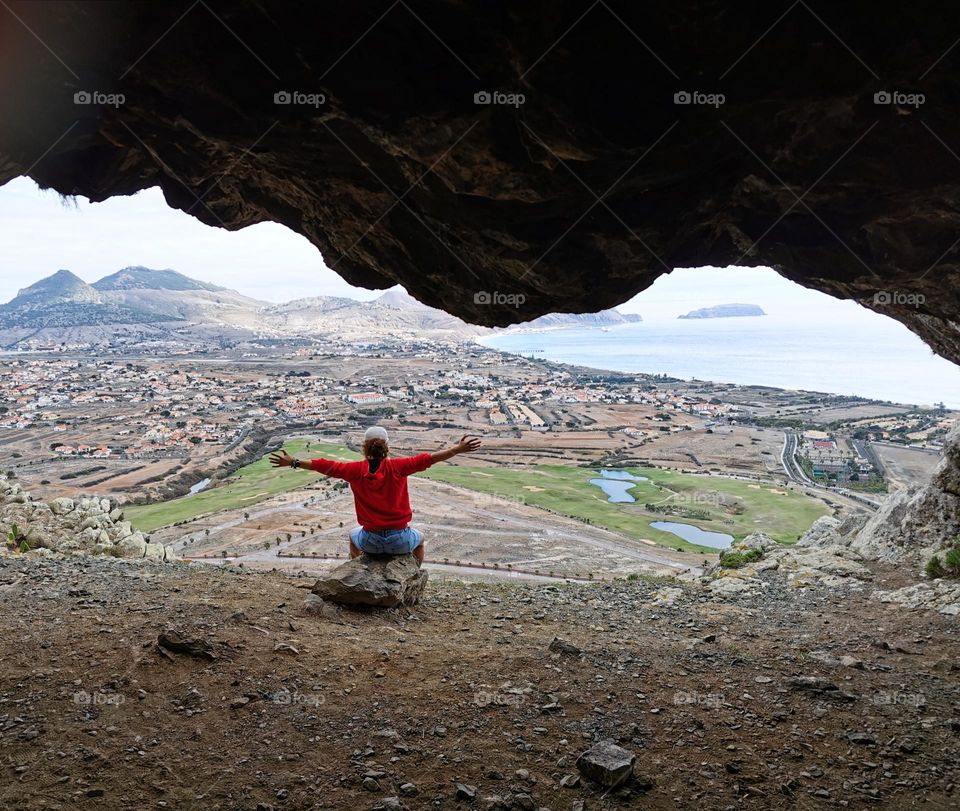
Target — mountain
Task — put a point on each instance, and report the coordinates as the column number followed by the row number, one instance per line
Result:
column 141, row 278
column 604, row 318
column 725, row 311
column 167, row 301
column 65, row 300
column 170, row 296
column 62, row 286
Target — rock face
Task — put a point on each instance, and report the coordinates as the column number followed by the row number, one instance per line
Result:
column 503, row 160
column 85, row 525
column 383, row 581
column 916, row 523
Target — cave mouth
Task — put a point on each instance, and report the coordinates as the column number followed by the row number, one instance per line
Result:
column 478, row 155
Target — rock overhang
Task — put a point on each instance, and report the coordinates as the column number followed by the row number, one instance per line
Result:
column 502, row 161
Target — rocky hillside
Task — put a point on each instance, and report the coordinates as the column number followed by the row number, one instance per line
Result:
column 603, row 318
column 88, row 525
column 222, row 689
column 65, row 300
column 142, row 296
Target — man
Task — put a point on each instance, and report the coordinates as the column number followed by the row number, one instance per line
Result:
column 379, row 485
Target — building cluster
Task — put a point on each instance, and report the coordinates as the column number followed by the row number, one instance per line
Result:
column 833, row 459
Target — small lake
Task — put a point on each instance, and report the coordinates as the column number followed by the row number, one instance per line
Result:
column 203, row 484
column 616, row 484
column 692, row 534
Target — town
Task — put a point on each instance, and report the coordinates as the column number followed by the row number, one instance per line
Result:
column 140, row 426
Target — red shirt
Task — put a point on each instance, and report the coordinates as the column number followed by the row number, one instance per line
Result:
column 381, row 498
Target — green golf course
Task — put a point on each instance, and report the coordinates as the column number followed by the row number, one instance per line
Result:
column 712, row 503
column 717, row 504
column 245, row 487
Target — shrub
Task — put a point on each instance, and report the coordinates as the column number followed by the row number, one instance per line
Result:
column 734, row 560
column 934, row 568
column 949, row 566
column 951, row 561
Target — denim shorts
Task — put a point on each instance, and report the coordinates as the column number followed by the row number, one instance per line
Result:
column 387, row 542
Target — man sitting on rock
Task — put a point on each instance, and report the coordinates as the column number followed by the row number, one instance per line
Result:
column 379, row 486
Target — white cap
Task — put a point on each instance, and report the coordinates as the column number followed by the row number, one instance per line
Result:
column 375, row 432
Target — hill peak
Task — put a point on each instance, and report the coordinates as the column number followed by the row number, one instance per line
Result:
column 138, row 277
column 64, row 285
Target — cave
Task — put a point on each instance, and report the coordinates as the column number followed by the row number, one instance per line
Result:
column 504, row 160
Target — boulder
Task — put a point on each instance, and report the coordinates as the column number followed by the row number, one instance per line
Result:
column 154, row 551
column 825, row 531
column 62, row 506
column 374, row 580
column 939, row 595
column 607, row 764
column 133, row 546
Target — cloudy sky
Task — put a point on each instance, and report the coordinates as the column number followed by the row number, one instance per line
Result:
column 40, row 234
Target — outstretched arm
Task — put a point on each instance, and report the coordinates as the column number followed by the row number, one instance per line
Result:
column 467, row 444
column 339, row 470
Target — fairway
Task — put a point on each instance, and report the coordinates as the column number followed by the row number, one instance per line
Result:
column 721, row 505
column 243, row 488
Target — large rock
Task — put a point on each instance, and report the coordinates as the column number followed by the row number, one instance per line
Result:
column 133, row 546
column 374, row 580
column 914, row 524
column 607, row 764
column 940, row 595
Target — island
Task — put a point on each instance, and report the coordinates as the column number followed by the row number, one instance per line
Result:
column 725, row 311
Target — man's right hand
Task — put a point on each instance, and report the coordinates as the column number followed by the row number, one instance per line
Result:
column 468, row 444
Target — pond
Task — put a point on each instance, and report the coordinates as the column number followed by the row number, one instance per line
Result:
column 203, row 484
column 692, row 534
column 616, row 483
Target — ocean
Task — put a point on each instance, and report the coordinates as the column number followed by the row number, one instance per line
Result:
column 862, row 354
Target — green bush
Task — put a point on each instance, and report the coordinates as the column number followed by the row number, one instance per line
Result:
column 934, row 568
column 949, row 567
column 734, row 560
column 951, row 561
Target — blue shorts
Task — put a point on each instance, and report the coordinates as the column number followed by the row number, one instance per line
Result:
column 388, row 542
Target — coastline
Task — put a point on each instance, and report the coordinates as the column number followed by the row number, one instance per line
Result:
column 719, row 356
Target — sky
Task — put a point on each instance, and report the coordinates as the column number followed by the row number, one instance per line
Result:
column 40, row 234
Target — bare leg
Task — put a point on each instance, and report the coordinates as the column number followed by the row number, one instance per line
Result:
column 418, row 553
column 354, row 552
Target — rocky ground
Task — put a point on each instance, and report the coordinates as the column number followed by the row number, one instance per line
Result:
column 800, row 693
